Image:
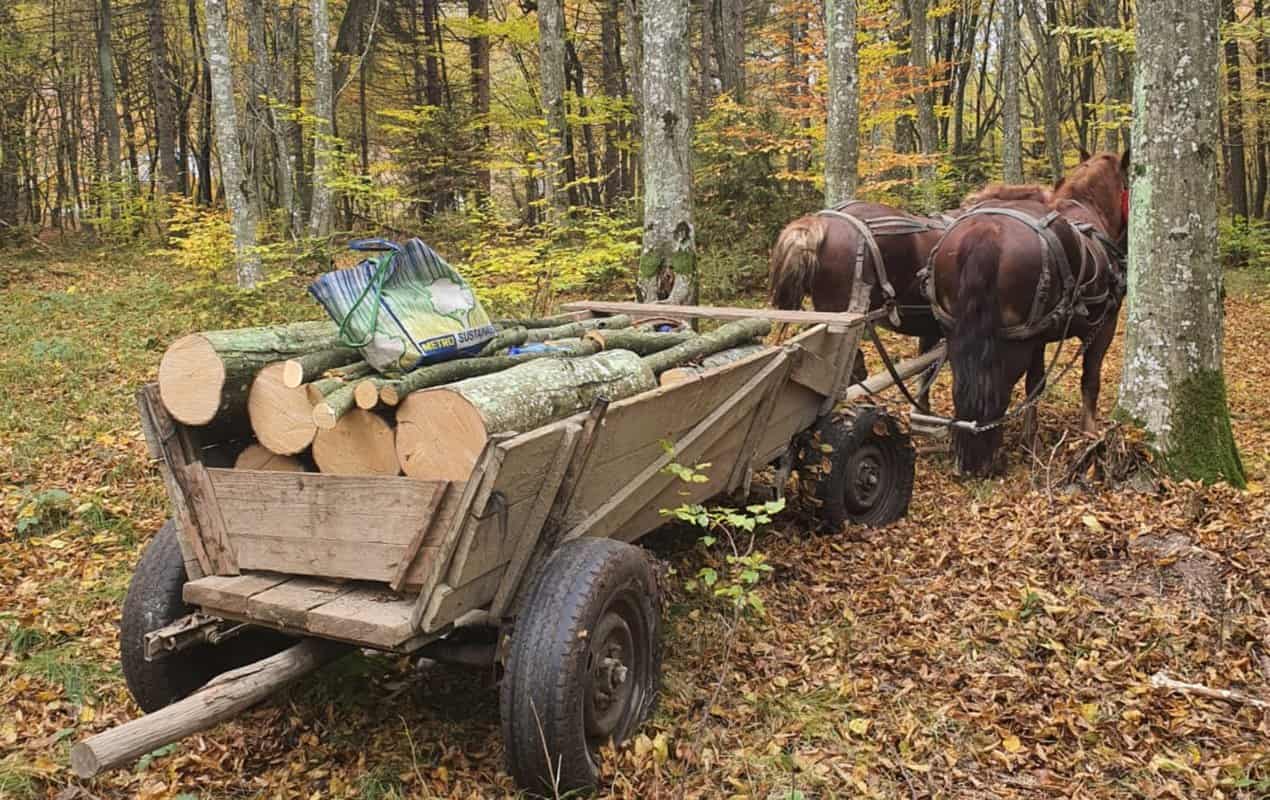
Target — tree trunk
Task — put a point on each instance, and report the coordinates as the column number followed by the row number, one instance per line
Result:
column 323, row 113
column 1259, row 206
column 1113, row 76
column 242, row 214
column 256, row 136
column 842, row 134
column 1050, row 101
column 668, row 264
column 727, row 20
column 108, row 116
column 162, row 87
column 1233, row 151
column 551, row 65
column 478, row 53
column 1172, row 380
column 1011, row 119
column 205, row 376
column 927, row 127
column 632, row 32
column 283, row 128
column 611, row 81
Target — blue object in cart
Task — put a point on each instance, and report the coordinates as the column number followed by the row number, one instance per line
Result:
column 536, row 347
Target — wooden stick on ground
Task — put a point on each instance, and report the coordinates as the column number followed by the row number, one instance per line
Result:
column 205, row 376
column 281, row 417
column 222, row 698
column 360, row 443
column 307, row 367
column 1162, row 681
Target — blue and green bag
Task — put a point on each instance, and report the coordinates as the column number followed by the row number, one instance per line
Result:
column 404, row 308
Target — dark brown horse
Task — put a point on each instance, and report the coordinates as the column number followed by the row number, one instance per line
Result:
column 860, row 255
column 1022, row 267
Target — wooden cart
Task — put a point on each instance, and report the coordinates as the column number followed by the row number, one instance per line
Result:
column 525, row 564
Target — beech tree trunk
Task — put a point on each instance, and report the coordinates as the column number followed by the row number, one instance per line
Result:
column 924, row 99
column 478, row 53
column 668, row 263
column 1011, row 119
column 842, row 135
column 163, row 89
column 1172, row 381
column 1114, row 77
column 1051, row 105
column 551, row 66
column 242, row 214
column 1233, row 151
column 108, row 115
column 323, row 112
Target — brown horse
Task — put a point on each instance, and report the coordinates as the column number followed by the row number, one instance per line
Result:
column 1022, row 267
column 822, row 254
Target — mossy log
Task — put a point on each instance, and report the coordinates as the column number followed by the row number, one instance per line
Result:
column 258, row 457
column 360, row 443
column 281, row 416
column 639, row 341
column 513, row 337
column 206, row 376
column 733, row 334
column 310, row 366
column 393, row 392
column 326, row 413
column 543, row 322
column 441, row 431
column 692, row 372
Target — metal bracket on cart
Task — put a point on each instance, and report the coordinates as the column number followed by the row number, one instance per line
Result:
column 188, row 631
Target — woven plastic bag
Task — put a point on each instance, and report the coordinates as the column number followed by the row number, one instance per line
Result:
column 403, row 308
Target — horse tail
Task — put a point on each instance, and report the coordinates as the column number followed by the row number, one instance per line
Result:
column 974, row 352
column 794, row 261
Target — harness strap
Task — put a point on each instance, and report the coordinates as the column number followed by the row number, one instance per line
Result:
column 879, row 268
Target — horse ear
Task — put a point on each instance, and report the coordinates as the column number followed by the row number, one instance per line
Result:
column 1125, row 161
column 1084, row 155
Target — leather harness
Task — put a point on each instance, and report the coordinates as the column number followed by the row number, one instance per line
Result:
column 1056, row 273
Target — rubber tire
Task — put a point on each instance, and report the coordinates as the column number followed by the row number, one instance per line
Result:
column 872, row 428
column 154, row 600
column 543, row 690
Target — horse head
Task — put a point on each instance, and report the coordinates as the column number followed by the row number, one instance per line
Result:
column 1101, row 183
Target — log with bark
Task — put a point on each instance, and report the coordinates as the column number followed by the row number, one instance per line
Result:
column 366, row 392
column 441, row 431
column 513, row 337
column 639, row 341
column 693, row 372
column 393, row 392
column 310, row 366
column 543, row 322
column 281, row 417
column 224, row 697
column 360, row 443
column 326, row 413
column 258, row 457
column 206, row 376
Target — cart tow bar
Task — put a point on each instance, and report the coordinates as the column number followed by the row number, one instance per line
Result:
column 190, row 630
column 935, row 421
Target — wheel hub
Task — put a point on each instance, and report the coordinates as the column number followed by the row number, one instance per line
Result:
column 864, row 478
column 609, row 694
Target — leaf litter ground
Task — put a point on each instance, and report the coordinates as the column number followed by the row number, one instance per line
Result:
column 999, row 642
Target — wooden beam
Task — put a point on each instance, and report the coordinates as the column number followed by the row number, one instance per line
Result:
column 161, row 436
column 721, row 312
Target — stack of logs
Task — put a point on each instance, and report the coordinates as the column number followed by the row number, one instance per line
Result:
column 307, row 402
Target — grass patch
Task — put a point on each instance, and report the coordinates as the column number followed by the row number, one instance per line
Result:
column 20, row 640
column 17, row 781
column 78, row 675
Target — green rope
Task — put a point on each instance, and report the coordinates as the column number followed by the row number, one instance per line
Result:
column 377, row 281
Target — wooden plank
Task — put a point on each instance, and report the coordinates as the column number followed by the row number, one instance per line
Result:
column 288, row 604
column 721, row 312
column 202, row 500
column 524, row 538
column 326, row 558
column 475, row 495
column 814, row 372
column 642, row 487
column 741, row 466
column 159, row 430
column 312, row 505
column 449, row 603
column 378, row 618
column 229, row 594
column 848, row 344
column 431, row 518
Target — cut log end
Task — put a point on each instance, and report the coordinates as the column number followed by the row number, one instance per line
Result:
column 440, row 434
column 259, row 458
column 366, row 394
column 324, row 416
column 281, row 417
column 390, row 394
column 359, row 443
column 292, row 374
column 677, row 375
column 191, row 378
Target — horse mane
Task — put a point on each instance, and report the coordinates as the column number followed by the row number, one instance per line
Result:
column 1006, row 192
column 1093, row 181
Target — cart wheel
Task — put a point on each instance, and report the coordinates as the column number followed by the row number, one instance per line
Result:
column 865, row 475
column 154, row 600
column 584, row 664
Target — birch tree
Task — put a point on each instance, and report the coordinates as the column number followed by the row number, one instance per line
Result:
column 668, row 263
column 242, row 216
column 323, row 109
column 551, row 67
column 842, row 134
column 1172, row 381
column 1011, row 120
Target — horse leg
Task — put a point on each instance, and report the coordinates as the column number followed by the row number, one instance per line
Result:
column 925, row 343
column 1091, row 376
column 1035, row 386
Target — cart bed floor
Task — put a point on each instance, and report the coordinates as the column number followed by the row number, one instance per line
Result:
column 358, row 613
